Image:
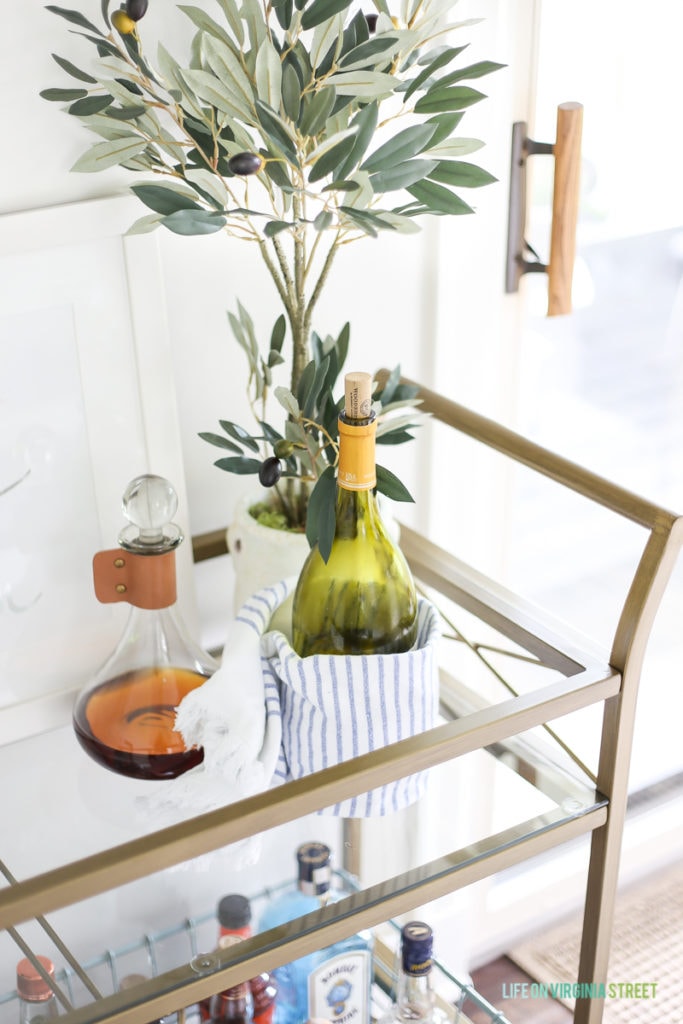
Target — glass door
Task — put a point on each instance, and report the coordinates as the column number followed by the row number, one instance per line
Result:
column 604, row 386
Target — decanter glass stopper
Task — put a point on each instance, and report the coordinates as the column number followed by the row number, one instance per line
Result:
column 149, row 504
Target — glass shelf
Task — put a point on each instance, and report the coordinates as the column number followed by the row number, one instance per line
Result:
column 187, row 941
column 174, row 956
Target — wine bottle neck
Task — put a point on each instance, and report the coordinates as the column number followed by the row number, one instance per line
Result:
column 356, row 469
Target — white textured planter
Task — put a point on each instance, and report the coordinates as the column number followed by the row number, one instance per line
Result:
column 263, row 556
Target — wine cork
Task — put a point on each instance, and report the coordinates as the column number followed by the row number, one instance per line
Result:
column 358, row 396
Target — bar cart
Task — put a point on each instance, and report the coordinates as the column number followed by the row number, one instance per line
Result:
column 578, row 803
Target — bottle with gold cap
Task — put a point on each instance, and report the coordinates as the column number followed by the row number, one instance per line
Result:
column 362, row 600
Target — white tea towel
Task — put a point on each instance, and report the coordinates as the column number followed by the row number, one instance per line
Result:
column 232, row 718
column 337, row 707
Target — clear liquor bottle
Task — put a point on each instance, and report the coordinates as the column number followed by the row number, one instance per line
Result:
column 332, row 983
column 415, row 996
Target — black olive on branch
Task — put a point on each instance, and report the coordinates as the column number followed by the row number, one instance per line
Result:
column 371, row 20
column 136, row 9
column 270, row 472
column 246, row 163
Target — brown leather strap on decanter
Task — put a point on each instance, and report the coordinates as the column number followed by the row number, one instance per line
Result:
column 146, row 581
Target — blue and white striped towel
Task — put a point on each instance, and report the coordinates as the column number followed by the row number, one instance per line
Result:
column 268, row 716
column 337, row 707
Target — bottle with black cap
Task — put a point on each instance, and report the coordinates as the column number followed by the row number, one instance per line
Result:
column 234, row 915
column 333, row 982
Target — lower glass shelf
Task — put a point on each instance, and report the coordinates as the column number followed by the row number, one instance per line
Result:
column 79, row 985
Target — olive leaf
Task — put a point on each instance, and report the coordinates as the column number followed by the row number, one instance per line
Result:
column 219, row 441
column 390, row 385
column 126, row 113
column 90, row 105
column 438, row 199
column 402, row 147
column 278, row 333
column 108, row 153
column 239, row 434
column 478, row 70
column 402, row 175
column 320, row 521
column 228, row 69
column 58, row 95
column 193, row 222
column 143, row 225
column 75, row 17
column 390, row 485
column 362, row 84
column 365, row 123
column 433, row 66
column 461, row 174
column 320, row 10
column 396, row 436
column 327, row 39
column 72, row 70
column 327, row 157
column 232, row 17
column 204, row 21
column 274, row 227
column 368, row 53
column 323, row 220
column 277, row 131
column 453, row 148
column 287, row 401
column 239, row 464
column 164, row 199
column 316, row 110
column 208, row 184
column 208, row 87
column 291, row 92
column 252, row 14
column 455, row 97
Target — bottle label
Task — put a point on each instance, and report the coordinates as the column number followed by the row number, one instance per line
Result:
column 318, row 882
column 338, row 990
column 356, row 470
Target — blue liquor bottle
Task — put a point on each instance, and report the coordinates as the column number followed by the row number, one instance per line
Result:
column 331, row 983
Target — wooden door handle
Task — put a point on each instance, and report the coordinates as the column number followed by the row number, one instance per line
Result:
column 567, row 153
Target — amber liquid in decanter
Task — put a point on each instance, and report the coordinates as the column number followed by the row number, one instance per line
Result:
column 127, row 723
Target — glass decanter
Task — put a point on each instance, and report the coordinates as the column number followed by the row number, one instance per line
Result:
column 124, row 719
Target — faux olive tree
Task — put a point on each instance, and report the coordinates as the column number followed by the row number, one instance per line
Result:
column 298, row 126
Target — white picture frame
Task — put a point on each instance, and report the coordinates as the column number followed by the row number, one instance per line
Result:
column 87, row 402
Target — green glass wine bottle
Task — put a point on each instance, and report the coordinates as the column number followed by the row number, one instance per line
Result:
column 362, row 600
